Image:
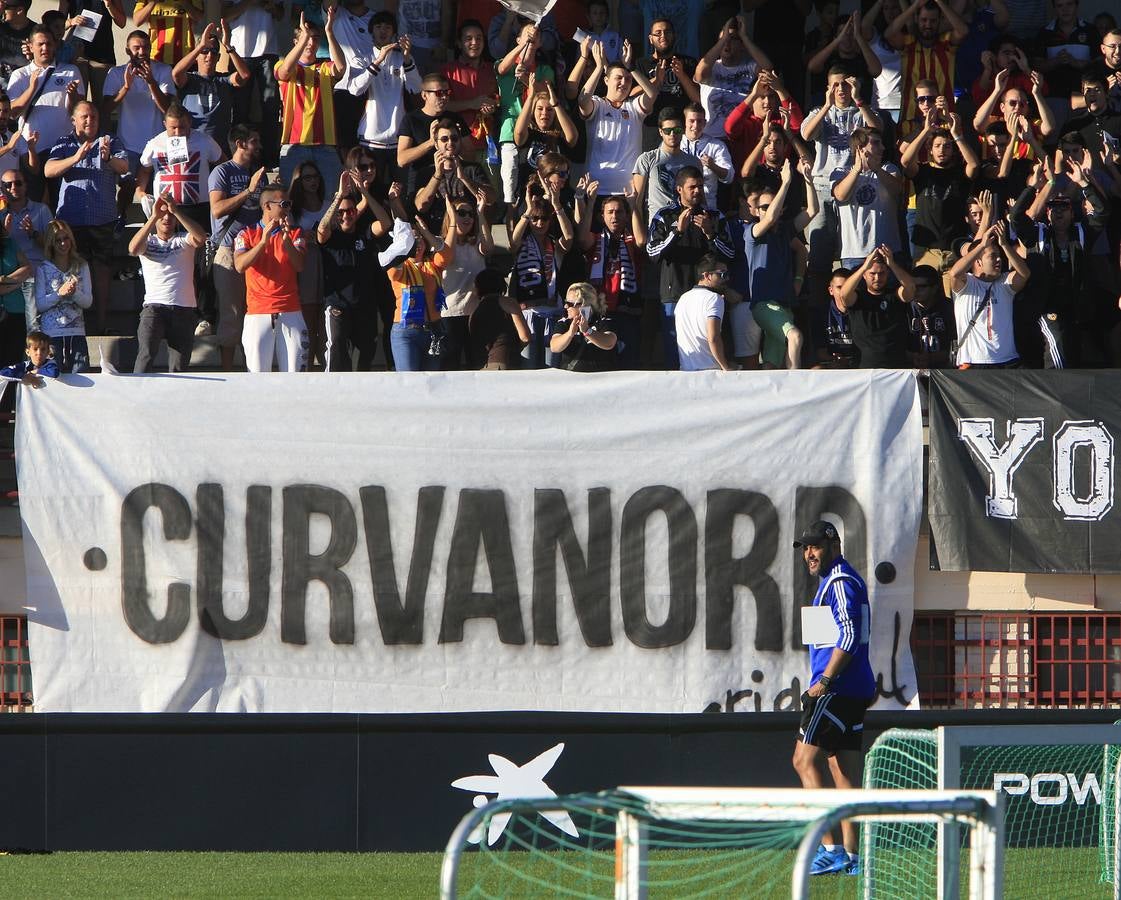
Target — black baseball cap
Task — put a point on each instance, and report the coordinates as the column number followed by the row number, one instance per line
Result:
column 818, row 533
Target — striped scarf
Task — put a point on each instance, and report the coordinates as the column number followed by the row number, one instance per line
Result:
column 619, row 282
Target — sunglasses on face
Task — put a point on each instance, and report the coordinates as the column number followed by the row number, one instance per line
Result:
column 673, row 131
column 365, row 167
column 348, row 210
column 440, row 92
column 465, row 213
column 573, row 304
column 925, row 99
column 209, row 51
column 539, row 218
column 720, row 273
column 12, row 183
column 283, row 204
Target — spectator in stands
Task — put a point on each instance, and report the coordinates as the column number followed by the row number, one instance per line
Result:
column 727, row 73
column 354, row 22
column 716, row 160
column 167, row 264
column 777, row 143
column 1065, row 47
column 541, row 237
column 983, row 296
column 474, row 89
column 473, row 244
column 585, row 338
column 614, row 121
column 670, row 70
column 878, row 310
column 42, row 91
column 416, row 261
column 849, row 48
column 932, row 321
column 416, row 145
column 680, row 235
column 1060, row 240
column 768, row 101
column 887, row 87
column 1098, row 124
column 98, row 55
column 271, row 255
column 422, row 22
column 89, row 163
column 307, row 88
column 15, row 31
column 14, row 272
column 38, row 364
column 775, row 263
column 143, row 88
column 928, row 52
column 170, row 26
column 829, row 126
column 28, row 227
column 234, row 188
column 12, row 144
column 655, row 170
column 524, row 65
column 453, row 178
column 1005, row 54
column 62, row 291
column 346, row 237
column 384, row 80
column 941, row 187
column 543, row 126
column 700, row 315
column 497, row 327
column 1004, row 102
column 684, row 18
column 985, row 18
column 253, row 35
column 308, row 194
column 615, row 262
column 207, row 94
column 867, row 198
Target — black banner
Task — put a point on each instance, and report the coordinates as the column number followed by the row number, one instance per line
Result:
column 1022, row 471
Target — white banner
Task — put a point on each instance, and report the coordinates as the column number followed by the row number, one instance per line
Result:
column 454, row 542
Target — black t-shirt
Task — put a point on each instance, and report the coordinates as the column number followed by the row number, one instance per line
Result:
column 583, row 356
column 932, row 330
column 210, row 102
column 346, row 260
column 418, row 126
column 492, row 334
column 671, row 92
column 100, row 49
column 1094, row 127
column 880, row 326
column 940, row 206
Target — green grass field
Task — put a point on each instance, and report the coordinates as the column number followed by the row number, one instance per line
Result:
column 402, row 876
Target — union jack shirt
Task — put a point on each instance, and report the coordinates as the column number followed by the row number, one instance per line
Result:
column 185, row 179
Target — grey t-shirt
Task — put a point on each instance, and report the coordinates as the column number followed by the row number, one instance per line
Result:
column 660, row 169
column 231, row 179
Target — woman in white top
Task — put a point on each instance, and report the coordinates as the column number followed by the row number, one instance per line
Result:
column 307, row 193
column 887, row 86
column 62, row 291
column 473, row 244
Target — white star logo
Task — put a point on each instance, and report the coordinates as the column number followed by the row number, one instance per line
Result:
column 513, row 782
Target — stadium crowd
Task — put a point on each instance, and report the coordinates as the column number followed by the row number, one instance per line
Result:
column 681, row 185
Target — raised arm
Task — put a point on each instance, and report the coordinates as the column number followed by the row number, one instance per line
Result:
column 985, row 110
column 288, row 66
column 774, row 211
column 896, row 33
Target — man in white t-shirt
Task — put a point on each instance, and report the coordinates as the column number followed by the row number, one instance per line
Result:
column 143, row 88
column 983, row 296
column 253, row 25
column 167, row 261
column 867, row 195
column 615, row 122
column 41, row 92
column 699, row 315
column 177, row 162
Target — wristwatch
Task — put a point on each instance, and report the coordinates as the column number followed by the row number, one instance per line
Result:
column 825, row 681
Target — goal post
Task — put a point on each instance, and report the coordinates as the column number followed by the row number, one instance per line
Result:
column 1059, row 786
column 680, row 841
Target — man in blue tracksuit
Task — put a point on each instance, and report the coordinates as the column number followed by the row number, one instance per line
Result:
column 842, row 687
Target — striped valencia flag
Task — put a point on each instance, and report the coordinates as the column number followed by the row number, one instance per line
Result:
column 309, row 105
column 169, row 30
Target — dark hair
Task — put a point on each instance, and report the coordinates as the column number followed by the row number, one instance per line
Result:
column 685, row 173
column 37, row 338
column 241, row 133
column 1095, row 75
column 137, row 33
column 434, row 78
column 1001, row 39
column 354, row 154
column 53, row 15
column 41, row 29
column 615, row 65
column 927, row 272
column 670, row 114
column 930, row 6
column 384, row 18
column 298, row 194
column 661, row 21
column 839, row 69
column 840, row 272
column 710, row 262
column 176, row 110
column 490, row 281
column 694, row 108
column 998, row 128
column 862, row 137
column 272, row 188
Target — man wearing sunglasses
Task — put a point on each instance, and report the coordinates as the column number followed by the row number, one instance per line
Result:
column 700, row 316
column 655, row 170
column 416, row 145
column 208, row 95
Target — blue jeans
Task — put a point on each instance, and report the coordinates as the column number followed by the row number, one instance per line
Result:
column 326, row 158
column 410, row 348
column 536, row 354
column 72, row 353
column 671, row 361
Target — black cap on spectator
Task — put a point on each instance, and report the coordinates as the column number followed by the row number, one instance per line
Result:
column 817, row 534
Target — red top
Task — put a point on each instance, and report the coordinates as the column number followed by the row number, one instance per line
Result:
column 467, row 83
column 271, row 282
column 744, row 129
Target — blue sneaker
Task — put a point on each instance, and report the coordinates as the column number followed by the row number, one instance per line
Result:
column 854, row 867
column 829, row 862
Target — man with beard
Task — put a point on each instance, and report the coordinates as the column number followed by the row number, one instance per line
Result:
column 930, row 52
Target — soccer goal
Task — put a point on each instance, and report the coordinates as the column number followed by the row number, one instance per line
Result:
column 1058, row 783
column 635, row 843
